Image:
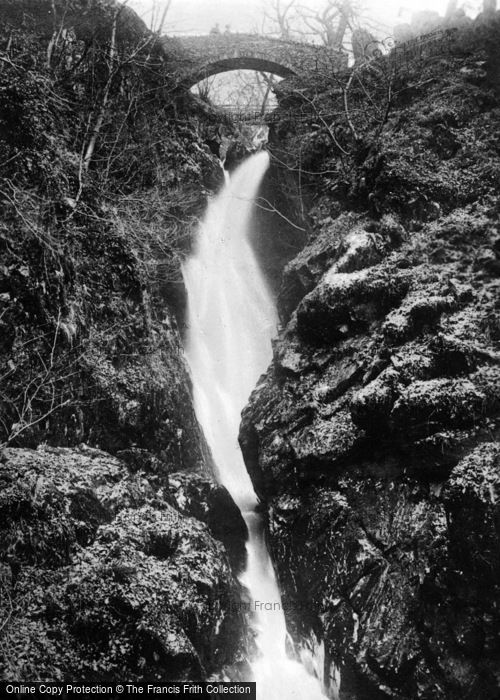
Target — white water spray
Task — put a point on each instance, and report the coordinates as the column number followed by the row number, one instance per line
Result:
column 231, row 320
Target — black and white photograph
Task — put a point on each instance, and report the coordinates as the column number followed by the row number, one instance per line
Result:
column 250, row 349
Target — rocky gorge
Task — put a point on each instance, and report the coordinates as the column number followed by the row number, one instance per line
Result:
column 373, row 437
column 119, row 552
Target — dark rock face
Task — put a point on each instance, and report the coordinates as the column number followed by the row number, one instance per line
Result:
column 109, row 568
column 374, row 437
column 279, row 231
column 103, row 574
column 90, row 348
column 373, row 442
column 211, row 503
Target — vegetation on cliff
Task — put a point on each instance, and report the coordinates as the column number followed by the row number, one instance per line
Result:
column 374, row 437
column 119, row 566
column 101, row 175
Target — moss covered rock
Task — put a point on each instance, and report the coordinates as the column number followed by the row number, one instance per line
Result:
column 103, row 573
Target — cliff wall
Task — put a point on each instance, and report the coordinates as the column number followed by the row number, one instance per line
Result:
column 118, row 552
column 374, row 436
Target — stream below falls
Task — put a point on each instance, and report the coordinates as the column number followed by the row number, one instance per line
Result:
column 231, row 320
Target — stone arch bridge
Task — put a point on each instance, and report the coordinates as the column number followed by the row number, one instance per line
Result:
column 199, row 57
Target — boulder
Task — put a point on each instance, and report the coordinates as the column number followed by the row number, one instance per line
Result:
column 106, row 573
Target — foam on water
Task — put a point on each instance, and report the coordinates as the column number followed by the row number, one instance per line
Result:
column 231, row 320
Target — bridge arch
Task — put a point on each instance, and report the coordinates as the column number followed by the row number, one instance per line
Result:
column 199, row 57
column 224, row 65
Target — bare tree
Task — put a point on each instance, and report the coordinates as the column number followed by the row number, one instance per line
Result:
column 103, row 104
column 336, row 24
column 115, row 62
column 242, row 90
column 279, row 15
column 57, row 29
column 159, row 15
column 331, row 22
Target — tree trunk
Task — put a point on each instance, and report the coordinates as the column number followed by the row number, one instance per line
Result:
column 101, row 113
column 342, row 25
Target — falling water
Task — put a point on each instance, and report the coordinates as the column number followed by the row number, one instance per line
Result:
column 231, row 320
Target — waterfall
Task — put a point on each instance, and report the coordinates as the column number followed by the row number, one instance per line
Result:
column 231, row 320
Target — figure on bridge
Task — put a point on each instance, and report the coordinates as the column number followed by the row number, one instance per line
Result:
column 215, row 29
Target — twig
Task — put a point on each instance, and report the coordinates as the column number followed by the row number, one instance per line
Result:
column 346, row 108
